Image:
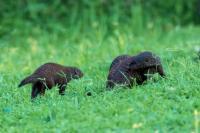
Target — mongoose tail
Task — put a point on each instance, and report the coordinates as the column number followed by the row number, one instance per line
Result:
column 27, row 80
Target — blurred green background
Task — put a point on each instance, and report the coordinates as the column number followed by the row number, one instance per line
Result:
column 89, row 34
column 140, row 14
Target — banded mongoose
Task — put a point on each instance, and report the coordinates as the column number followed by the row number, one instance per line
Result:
column 49, row 75
column 124, row 69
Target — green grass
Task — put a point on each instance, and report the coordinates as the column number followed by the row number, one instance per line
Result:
column 166, row 105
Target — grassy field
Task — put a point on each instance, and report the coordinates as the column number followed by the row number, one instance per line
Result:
column 167, row 105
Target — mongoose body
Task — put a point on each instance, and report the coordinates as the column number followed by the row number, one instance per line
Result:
column 49, row 75
column 133, row 68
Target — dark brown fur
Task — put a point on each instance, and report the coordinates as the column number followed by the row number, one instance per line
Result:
column 118, row 59
column 127, row 69
column 49, row 75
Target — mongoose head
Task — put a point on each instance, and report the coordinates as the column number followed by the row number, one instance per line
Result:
column 76, row 73
column 144, row 60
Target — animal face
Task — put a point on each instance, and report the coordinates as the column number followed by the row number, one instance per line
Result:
column 144, row 60
column 76, row 73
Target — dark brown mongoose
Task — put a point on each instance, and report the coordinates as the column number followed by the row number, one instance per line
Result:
column 134, row 68
column 49, row 75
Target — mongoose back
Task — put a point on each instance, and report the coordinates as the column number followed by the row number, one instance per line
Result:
column 49, row 75
column 134, row 68
column 118, row 59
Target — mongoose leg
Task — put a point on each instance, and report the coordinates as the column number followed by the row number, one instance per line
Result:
column 160, row 71
column 50, row 84
column 109, row 84
column 62, row 89
column 42, row 91
column 140, row 78
column 38, row 88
